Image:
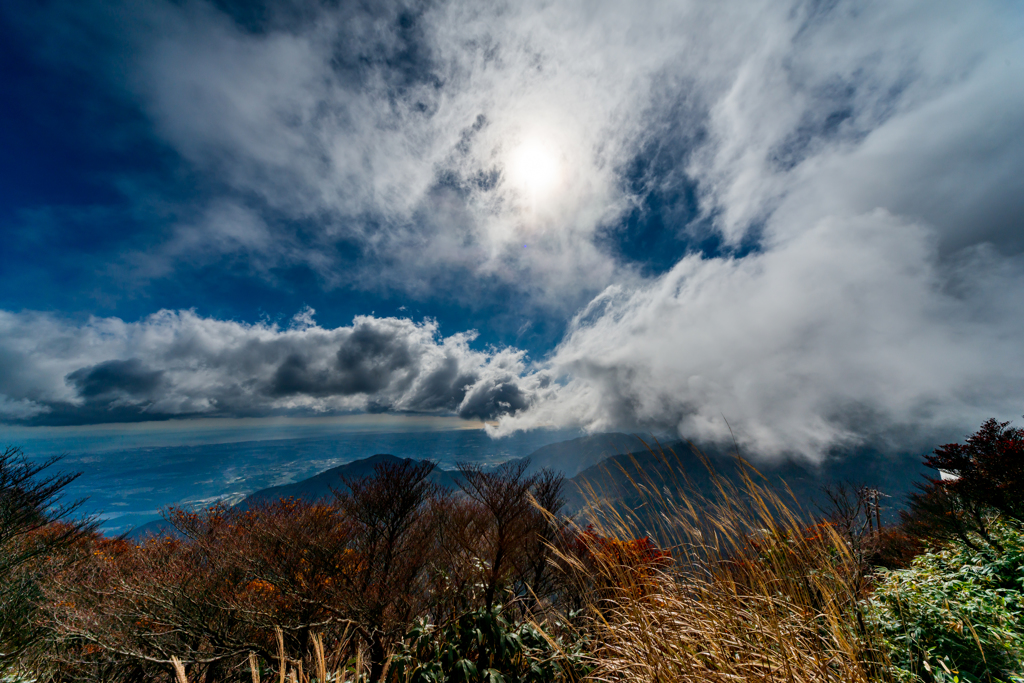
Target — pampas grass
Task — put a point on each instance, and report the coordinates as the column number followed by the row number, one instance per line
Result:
column 754, row 591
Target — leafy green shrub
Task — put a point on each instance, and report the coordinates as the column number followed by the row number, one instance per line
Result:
column 483, row 646
column 957, row 614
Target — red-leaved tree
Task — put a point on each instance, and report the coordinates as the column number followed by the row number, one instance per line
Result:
column 982, row 476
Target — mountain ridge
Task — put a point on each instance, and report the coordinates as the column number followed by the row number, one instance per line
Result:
column 590, row 466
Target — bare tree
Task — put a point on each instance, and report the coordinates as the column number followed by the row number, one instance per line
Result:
column 549, row 524
column 518, row 512
column 393, row 542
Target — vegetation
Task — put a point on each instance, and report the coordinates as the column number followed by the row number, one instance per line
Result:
column 34, row 529
column 397, row 579
column 483, row 645
column 956, row 614
column 982, row 481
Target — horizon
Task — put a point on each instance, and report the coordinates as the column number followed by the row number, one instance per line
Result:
column 48, row 440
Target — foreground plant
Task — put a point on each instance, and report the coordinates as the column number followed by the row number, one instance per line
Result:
column 753, row 592
column 484, row 645
column 34, row 528
column 958, row 613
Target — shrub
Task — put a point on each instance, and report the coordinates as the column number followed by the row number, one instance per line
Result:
column 988, row 468
column 982, row 478
column 956, row 613
column 357, row 570
column 218, row 593
column 484, row 646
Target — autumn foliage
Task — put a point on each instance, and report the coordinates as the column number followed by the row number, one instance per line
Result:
column 356, row 571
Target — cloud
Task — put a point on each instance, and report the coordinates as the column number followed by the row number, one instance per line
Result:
column 873, row 155
column 128, row 377
column 852, row 331
column 857, row 168
column 382, row 136
column 180, row 364
column 373, row 143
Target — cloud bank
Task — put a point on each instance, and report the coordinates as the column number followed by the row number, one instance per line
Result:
column 178, row 364
column 853, row 332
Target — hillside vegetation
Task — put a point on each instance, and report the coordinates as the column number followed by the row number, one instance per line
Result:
column 399, row 577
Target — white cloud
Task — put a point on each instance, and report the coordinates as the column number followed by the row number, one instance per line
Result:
column 851, row 330
column 180, row 364
column 22, row 409
column 891, row 103
column 877, row 151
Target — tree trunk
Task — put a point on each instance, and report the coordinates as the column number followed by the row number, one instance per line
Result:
column 376, row 658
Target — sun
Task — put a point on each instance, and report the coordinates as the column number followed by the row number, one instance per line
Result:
column 534, row 168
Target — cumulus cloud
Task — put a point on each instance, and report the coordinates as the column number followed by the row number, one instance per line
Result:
column 874, row 153
column 181, row 364
column 849, row 332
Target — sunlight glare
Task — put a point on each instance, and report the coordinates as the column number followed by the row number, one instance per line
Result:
column 534, row 168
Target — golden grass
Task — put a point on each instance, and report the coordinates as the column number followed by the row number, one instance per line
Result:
column 754, row 591
column 179, row 670
column 292, row 670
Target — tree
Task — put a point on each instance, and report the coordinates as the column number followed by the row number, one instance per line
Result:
column 549, row 499
column 988, row 468
column 34, row 526
column 393, row 541
column 517, row 513
column 978, row 479
column 210, row 596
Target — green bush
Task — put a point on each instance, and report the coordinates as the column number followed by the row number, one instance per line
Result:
column 483, row 646
column 957, row 614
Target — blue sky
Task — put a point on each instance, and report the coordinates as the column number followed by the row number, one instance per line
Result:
column 802, row 218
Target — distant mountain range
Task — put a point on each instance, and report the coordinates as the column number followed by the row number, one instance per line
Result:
column 609, row 465
column 573, row 456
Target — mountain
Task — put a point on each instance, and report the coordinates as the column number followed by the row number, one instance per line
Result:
column 572, row 457
column 681, row 468
column 316, row 487
column 677, row 468
column 609, row 465
column 324, row 484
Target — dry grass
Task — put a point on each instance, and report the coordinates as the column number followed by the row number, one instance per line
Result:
column 289, row 670
column 754, row 592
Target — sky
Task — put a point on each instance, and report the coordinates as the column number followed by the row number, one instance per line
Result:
column 796, row 226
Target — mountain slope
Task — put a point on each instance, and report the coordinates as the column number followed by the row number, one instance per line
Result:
column 573, row 456
column 797, row 484
column 318, row 487
column 609, row 465
column 324, row 484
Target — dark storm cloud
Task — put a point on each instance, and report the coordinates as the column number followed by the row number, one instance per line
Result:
column 114, row 377
column 369, row 361
column 179, row 364
column 494, row 399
